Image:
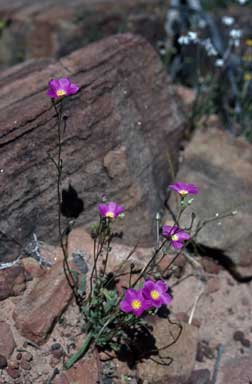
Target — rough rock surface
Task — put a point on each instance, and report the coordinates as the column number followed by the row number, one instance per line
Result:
column 222, row 167
column 83, row 372
column 39, row 308
column 237, row 371
column 69, row 25
column 177, row 365
column 7, row 342
column 125, row 112
column 12, row 281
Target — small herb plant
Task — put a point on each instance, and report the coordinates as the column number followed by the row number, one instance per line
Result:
column 110, row 318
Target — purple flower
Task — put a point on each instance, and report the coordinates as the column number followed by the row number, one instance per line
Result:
column 184, row 189
column 176, row 235
column 58, row 88
column 134, row 302
column 156, row 293
column 111, row 210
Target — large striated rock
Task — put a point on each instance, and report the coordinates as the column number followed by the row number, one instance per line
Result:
column 52, row 28
column 12, row 281
column 124, row 131
column 39, row 309
column 222, row 167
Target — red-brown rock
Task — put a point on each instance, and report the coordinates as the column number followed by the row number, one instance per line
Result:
column 7, row 342
column 13, row 373
column 221, row 166
column 36, row 29
column 83, row 372
column 38, row 310
column 12, row 281
column 179, row 360
column 236, row 370
column 125, row 107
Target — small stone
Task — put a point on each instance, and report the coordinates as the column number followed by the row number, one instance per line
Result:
column 245, row 343
column 19, row 356
column 13, row 364
column 27, row 356
column 55, row 346
column 54, row 361
column 204, row 350
column 200, row 376
column 12, row 372
column 7, row 342
column 57, row 351
column 238, row 336
column 3, row 362
column 25, row 365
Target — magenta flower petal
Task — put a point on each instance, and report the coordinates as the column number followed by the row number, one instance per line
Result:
column 125, row 306
column 184, row 189
column 156, row 293
column 110, row 210
column 102, row 209
column 130, row 294
column 64, row 83
column 177, row 244
column 58, row 88
column 175, row 235
column 134, row 302
column 73, row 89
column 161, row 285
column 182, row 235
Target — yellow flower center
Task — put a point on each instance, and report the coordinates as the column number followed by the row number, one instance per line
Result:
column 110, row 214
column 155, row 294
column 249, row 42
column 60, row 92
column 174, row 237
column 247, row 76
column 136, row 304
column 183, row 192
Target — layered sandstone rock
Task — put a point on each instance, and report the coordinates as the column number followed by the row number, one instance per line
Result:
column 124, row 132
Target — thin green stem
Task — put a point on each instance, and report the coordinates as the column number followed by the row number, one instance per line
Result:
column 149, row 263
column 58, row 164
column 84, row 348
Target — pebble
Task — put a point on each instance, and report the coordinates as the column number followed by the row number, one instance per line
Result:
column 200, row 376
column 238, row 336
column 27, row 356
column 19, row 356
column 25, row 365
column 57, row 351
column 12, row 372
column 13, row 364
column 204, row 350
